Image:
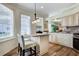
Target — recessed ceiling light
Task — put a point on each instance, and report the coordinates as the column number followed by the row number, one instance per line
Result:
column 42, row 6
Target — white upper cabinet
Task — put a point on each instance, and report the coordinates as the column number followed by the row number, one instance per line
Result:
column 76, row 19
column 45, row 25
column 65, row 21
column 72, row 20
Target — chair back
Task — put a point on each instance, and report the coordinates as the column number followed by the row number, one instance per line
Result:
column 27, row 37
column 21, row 41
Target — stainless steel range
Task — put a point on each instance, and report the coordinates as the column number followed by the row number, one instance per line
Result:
column 76, row 41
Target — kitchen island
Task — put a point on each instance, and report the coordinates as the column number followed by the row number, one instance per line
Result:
column 43, row 41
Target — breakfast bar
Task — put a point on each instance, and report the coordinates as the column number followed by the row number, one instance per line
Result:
column 43, row 41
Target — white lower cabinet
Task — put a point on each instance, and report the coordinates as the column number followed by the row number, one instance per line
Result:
column 62, row 39
column 53, row 38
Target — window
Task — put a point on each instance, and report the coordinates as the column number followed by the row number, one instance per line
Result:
column 6, row 22
column 25, row 25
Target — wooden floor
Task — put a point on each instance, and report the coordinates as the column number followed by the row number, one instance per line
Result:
column 54, row 50
column 59, row 50
column 14, row 52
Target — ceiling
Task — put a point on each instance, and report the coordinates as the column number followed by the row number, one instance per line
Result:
column 48, row 7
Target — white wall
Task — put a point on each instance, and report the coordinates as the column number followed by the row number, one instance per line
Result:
column 7, row 46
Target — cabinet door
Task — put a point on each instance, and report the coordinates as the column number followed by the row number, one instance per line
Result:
column 65, row 39
column 62, row 22
column 60, row 39
column 68, row 40
column 53, row 38
column 71, row 20
column 76, row 19
column 68, row 21
column 45, row 25
column 65, row 21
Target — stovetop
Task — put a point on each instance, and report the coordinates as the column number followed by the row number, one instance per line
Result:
column 76, row 35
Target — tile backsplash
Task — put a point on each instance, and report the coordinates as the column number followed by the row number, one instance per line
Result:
column 72, row 29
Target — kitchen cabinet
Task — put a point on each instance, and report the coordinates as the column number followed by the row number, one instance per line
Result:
column 76, row 19
column 46, row 26
column 62, row 39
column 53, row 38
column 71, row 20
column 65, row 39
column 65, row 21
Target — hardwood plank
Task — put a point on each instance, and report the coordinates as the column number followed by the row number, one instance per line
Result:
column 13, row 52
column 59, row 50
column 54, row 50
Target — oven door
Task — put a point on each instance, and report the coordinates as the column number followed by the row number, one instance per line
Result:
column 76, row 43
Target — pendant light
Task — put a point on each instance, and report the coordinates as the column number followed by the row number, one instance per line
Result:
column 35, row 16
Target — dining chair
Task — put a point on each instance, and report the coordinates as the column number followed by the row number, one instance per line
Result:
column 26, row 46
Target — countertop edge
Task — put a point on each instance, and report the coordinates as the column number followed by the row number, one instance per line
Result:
column 40, row 35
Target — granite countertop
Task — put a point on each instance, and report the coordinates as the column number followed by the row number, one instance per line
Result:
column 40, row 35
column 62, row 32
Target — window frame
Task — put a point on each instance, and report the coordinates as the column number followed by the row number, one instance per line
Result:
column 12, row 21
column 29, row 24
